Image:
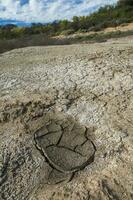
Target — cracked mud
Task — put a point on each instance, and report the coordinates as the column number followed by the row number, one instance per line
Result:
column 65, row 144
column 66, row 122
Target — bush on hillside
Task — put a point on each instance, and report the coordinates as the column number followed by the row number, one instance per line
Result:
column 125, row 2
column 108, row 16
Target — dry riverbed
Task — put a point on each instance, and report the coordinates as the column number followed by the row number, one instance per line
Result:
column 66, row 122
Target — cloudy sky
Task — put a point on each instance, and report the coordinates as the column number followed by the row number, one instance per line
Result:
column 47, row 10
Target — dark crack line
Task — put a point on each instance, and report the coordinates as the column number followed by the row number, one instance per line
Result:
column 88, row 162
column 56, row 167
column 75, row 147
column 80, row 145
column 84, row 142
column 94, row 146
column 41, row 136
column 76, row 151
column 47, row 160
column 81, row 167
column 49, row 133
column 90, row 140
column 72, row 177
column 59, row 182
column 85, row 134
column 60, row 136
column 59, row 169
column 64, row 147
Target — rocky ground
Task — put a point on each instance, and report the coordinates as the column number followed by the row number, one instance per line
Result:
column 66, row 122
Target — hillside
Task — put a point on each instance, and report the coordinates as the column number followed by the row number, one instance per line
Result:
column 108, row 22
column 108, row 16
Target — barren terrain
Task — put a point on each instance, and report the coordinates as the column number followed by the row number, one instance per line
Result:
column 66, row 122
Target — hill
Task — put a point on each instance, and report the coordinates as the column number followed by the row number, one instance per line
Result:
column 108, row 16
column 90, row 28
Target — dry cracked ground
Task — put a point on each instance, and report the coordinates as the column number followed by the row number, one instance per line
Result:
column 66, row 122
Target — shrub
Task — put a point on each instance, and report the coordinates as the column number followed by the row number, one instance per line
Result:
column 68, row 32
column 125, row 2
column 108, row 16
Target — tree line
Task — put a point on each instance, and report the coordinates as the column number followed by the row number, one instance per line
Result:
column 108, row 16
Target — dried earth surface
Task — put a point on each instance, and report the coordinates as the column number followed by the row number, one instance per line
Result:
column 66, row 122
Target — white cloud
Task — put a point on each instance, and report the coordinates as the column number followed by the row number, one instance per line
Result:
column 47, row 10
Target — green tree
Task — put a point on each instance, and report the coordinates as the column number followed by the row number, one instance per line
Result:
column 125, row 2
column 75, row 23
column 64, row 25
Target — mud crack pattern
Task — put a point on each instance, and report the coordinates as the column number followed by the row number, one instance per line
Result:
column 65, row 144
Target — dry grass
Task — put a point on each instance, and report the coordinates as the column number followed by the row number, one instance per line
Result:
column 36, row 40
column 42, row 40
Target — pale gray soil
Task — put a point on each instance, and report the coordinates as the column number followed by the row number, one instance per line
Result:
column 66, row 122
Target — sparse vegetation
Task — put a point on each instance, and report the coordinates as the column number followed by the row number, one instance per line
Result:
column 42, row 40
column 108, row 16
column 102, row 37
column 33, row 40
column 12, row 36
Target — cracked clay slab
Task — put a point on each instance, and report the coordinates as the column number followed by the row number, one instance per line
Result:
column 65, row 145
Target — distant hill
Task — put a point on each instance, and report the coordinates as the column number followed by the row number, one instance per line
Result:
column 14, row 22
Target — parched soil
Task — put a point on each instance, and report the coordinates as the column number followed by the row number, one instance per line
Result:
column 66, row 122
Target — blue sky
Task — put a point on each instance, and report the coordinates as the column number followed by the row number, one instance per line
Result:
column 43, row 11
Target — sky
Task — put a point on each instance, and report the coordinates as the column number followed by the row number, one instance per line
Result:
column 45, row 11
